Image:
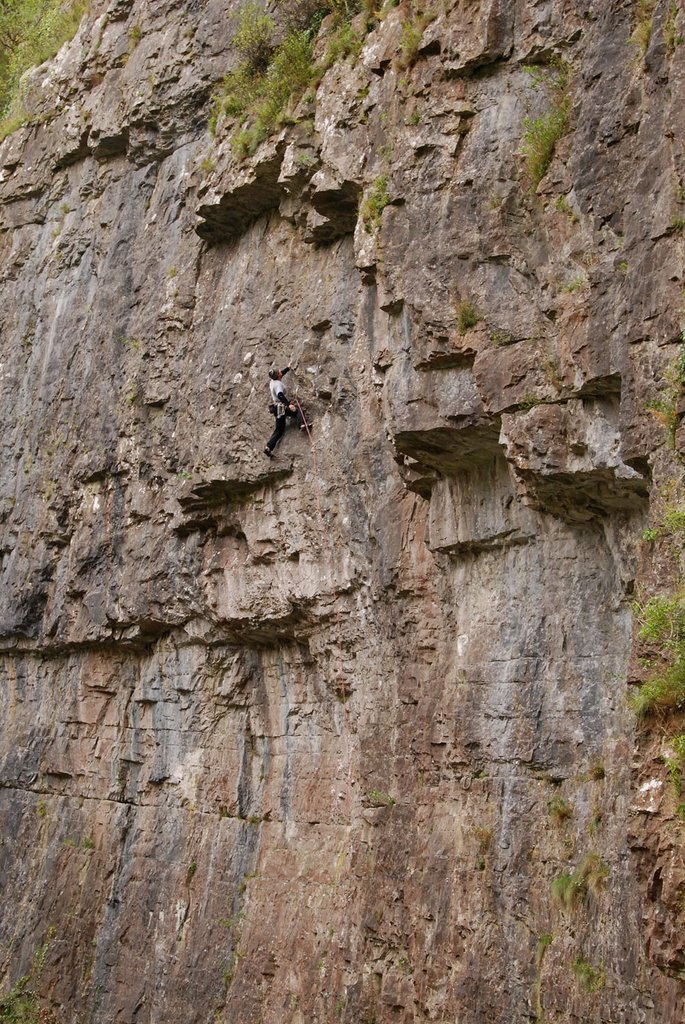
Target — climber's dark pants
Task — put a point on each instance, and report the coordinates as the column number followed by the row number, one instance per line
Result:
column 280, row 425
column 277, row 434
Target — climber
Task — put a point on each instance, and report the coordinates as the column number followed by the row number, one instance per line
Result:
column 282, row 407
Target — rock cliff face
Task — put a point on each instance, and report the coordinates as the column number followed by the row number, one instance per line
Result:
column 312, row 739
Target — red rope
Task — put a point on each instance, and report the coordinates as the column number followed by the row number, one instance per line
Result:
column 341, row 675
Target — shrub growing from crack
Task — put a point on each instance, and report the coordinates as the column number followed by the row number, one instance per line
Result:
column 254, row 37
column 375, row 201
column 410, row 40
column 21, row 1004
column 541, row 134
column 562, row 205
column 264, row 98
column 575, row 284
column 664, row 692
column 467, row 316
column 543, row 943
column 135, row 35
column 344, row 42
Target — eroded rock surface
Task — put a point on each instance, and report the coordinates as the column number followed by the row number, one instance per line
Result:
column 287, row 741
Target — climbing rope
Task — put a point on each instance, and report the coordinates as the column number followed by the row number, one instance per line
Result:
column 340, row 681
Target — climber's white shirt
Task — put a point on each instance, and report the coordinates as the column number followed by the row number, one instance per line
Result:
column 276, row 387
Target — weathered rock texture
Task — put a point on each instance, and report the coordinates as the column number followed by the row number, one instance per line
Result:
column 280, row 739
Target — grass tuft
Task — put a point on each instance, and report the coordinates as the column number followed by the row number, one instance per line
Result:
column 467, row 316
column 642, row 33
column 589, row 978
column 589, row 877
column 672, row 37
column 663, row 692
column 375, row 201
column 375, row 798
column 559, row 810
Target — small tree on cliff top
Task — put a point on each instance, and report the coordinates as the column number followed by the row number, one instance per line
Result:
column 31, row 31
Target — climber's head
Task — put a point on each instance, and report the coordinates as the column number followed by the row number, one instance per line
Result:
column 275, row 374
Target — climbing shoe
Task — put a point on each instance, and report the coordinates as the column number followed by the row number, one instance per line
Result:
column 268, row 452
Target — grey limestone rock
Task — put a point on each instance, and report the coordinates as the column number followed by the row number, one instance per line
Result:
column 311, row 739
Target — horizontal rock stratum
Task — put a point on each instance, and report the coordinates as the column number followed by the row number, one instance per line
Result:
column 344, row 736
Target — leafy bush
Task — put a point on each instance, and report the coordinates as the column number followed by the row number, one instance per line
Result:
column 236, row 94
column 254, row 37
column 297, row 15
column 31, row 31
column 265, row 98
column 20, row 1005
column 289, row 73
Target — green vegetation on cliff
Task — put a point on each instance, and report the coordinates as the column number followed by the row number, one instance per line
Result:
column 662, row 632
column 31, row 31
column 541, row 134
column 21, row 1004
column 277, row 62
column 659, row 610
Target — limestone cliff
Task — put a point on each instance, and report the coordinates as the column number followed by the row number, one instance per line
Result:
column 319, row 739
